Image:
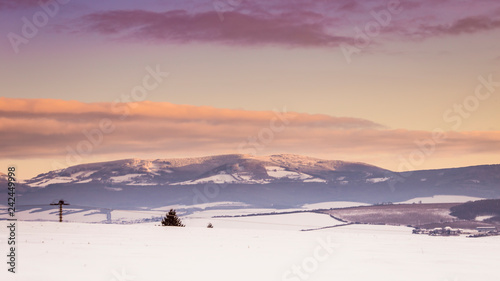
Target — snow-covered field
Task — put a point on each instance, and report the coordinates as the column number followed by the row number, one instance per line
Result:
column 442, row 199
column 257, row 247
column 201, row 211
column 78, row 251
column 295, row 221
column 334, row 204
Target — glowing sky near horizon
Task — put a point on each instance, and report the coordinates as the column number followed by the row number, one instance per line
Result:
column 237, row 61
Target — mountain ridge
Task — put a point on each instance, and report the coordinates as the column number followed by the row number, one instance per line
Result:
column 277, row 181
column 254, row 169
column 248, row 169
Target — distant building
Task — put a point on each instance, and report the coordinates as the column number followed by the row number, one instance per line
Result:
column 444, row 231
column 487, row 229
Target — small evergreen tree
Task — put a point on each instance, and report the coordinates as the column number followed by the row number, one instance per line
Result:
column 210, row 225
column 171, row 219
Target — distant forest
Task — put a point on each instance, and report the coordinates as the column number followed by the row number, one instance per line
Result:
column 470, row 210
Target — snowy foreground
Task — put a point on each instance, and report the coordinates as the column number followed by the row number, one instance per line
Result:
column 79, row 251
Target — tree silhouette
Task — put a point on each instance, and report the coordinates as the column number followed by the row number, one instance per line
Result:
column 171, row 219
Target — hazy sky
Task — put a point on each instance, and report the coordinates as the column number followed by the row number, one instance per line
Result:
column 361, row 81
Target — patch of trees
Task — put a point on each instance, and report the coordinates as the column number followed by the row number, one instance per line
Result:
column 470, row 210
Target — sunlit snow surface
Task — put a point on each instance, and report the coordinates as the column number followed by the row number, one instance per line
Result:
column 76, row 251
column 377, row 180
column 279, row 172
column 442, row 199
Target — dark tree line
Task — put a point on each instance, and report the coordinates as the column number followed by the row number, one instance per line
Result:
column 471, row 210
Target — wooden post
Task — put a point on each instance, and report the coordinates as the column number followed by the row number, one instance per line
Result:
column 108, row 215
column 60, row 203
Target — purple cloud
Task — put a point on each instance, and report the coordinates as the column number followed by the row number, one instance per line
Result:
column 461, row 26
column 293, row 29
column 9, row 4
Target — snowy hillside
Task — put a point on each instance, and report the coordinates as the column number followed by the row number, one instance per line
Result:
column 242, row 169
column 246, row 169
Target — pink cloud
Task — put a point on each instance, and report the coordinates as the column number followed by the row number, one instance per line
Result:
column 65, row 111
column 51, row 128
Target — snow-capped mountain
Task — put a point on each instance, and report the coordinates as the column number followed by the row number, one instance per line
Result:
column 277, row 181
column 234, row 169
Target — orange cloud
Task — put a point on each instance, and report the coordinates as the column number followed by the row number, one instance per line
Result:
column 34, row 128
